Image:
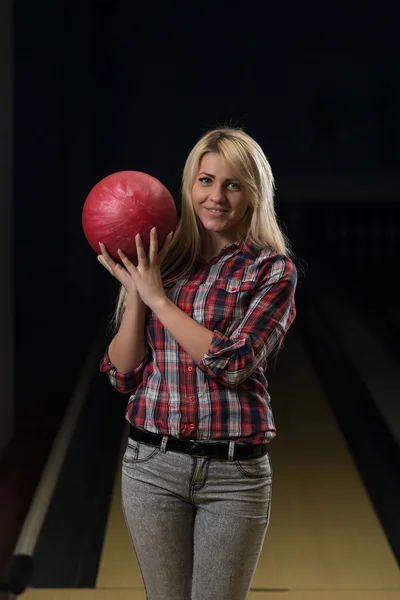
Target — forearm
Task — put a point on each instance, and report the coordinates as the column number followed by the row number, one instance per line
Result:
column 127, row 350
column 193, row 337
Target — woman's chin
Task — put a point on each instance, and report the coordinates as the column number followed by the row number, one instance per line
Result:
column 213, row 226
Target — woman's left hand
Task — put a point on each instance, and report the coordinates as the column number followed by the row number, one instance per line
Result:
column 148, row 280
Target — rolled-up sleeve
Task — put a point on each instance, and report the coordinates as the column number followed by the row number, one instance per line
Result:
column 231, row 360
column 125, row 383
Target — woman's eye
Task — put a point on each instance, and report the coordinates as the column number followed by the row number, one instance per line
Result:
column 231, row 185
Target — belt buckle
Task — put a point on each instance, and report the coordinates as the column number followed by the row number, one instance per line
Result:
column 194, row 449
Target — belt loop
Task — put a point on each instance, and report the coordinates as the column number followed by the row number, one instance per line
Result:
column 231, row 452
column 164, row 443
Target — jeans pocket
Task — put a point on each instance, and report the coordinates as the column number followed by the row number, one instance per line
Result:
column 256, row 468
column 138, row 452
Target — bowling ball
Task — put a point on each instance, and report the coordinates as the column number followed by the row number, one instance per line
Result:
column 124, row 204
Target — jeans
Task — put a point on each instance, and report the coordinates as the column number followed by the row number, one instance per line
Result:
column 197, row 524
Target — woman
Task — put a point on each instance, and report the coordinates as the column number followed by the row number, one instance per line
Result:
column 195, row 326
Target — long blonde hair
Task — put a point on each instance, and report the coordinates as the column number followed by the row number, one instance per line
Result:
column 253, row 172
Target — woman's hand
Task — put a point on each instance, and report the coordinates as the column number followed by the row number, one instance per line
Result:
column 147, row 275
column 144, row 279
column 117, row 270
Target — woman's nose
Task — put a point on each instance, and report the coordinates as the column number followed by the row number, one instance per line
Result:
column 217, row 193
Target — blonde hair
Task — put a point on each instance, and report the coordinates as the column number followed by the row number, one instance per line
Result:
column 248, row 162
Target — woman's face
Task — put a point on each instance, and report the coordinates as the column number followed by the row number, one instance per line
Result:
column 218, row 200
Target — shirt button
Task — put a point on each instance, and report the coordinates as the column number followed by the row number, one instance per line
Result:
column 191, row 398
column 191, row 427
column 190, row 369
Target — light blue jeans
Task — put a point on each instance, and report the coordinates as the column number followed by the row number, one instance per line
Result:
column 197, row 524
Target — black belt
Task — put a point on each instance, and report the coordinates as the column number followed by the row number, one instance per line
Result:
column 197, row 448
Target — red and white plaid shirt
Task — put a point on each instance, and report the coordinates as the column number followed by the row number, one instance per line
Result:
column 245, row 296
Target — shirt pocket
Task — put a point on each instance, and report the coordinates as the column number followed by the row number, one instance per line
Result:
column 232, row 298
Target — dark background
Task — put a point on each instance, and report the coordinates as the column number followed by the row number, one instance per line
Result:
column 112, row 85
column 103, row 86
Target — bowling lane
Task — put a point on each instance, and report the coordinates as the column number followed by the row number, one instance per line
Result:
column 324, row 540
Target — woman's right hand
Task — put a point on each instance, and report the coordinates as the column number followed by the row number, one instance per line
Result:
column 118, row 271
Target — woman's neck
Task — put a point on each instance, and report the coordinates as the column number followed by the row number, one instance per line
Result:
column 212, row 247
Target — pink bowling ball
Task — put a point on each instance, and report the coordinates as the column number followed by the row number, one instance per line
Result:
column 124, row 204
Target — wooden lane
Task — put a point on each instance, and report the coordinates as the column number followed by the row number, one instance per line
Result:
column 324, row 542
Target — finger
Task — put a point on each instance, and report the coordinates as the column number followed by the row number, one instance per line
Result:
column 119, row 273
column 153, row 250
column 165, row 247
column 122, row 275
column 130, row 267
column 113, row 267
column 107, row 257
column 103, row 249
column 101, row 260
column 141, row 254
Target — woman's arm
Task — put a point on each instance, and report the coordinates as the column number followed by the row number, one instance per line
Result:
column 128, row 348
column 230, row 360
column 193, row 337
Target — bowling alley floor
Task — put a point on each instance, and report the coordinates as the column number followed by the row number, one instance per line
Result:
column 325, row 541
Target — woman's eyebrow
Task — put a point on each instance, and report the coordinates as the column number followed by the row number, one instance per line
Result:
column 213, row 176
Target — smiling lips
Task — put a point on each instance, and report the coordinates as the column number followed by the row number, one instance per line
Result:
column 216, row 211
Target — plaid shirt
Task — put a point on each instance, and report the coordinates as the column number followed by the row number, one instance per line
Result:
column 245, row 296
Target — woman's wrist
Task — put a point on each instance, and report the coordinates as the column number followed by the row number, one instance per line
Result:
column 160, row 303
column 134, row 301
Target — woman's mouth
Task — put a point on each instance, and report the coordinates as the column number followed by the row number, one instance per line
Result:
column 216, row 211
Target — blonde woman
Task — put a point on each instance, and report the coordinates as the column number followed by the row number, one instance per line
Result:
column 195, row 325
